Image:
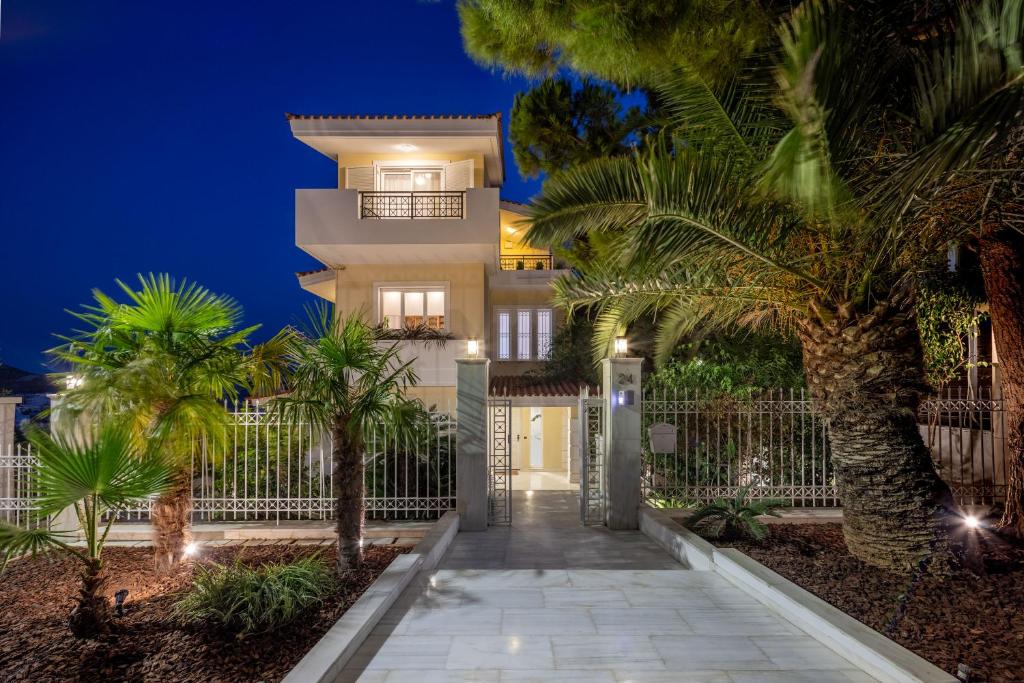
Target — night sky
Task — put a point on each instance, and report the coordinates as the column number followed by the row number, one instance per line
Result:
column 150, row 136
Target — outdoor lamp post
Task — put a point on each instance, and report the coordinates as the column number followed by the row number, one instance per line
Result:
column 621, row 347
column 473, row 348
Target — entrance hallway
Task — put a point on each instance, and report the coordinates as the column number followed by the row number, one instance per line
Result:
column 542, row 481
column 549, row 600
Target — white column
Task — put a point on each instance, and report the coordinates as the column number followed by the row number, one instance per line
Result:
column 471, row 387
column 621, row 390
column 65, row 520
column 8, row 411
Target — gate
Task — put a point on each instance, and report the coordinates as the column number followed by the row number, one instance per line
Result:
column 499, row 463
column 591, row 422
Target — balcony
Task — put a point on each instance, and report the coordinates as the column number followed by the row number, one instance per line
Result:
column 382, row 205
column 525, row 262
column 340, row 227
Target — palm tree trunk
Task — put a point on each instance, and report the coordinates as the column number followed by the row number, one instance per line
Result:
column 348, row 494
column 91, row 616
column 1002, row 268
column 865, row 375
column 172, row 521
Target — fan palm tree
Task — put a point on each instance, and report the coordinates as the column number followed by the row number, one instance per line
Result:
column 98, row 473
column 165, row 361
column 783, row 201
column 345, row 380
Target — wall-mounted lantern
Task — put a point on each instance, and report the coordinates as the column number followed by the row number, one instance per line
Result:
column 621, row 346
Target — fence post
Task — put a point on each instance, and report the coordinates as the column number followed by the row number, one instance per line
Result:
column 65, row 520
column 471, row 388
column 622, row 427
column 8, row 411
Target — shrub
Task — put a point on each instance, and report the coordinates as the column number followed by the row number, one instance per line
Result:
column 246, row 600
column 731, row 518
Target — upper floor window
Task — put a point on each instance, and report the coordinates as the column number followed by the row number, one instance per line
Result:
column 523, row 333
column 394, row 179
column 412, row 307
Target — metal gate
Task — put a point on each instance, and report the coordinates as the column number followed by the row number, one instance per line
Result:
column 591, row 421
column 499, row 463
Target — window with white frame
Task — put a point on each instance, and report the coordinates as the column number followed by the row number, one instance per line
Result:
column 523, row 333
column 412, row 307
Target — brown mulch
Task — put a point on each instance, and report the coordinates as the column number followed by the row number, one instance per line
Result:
column 977, row 620
column 148, row 645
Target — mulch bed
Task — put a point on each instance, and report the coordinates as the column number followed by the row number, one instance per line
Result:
column 148, row 645
column 966, row 618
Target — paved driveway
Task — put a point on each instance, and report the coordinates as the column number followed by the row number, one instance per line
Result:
column 550, row 600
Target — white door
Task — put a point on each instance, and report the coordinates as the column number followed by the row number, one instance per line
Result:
column 536, row 439
column 515, row 437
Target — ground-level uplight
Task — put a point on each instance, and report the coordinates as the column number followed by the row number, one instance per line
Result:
column 191, row 549
column 119, row 598
column 972, row 522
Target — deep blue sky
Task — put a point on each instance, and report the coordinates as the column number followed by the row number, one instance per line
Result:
column 150, row 136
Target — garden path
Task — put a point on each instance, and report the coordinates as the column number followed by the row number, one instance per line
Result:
column 548, row 599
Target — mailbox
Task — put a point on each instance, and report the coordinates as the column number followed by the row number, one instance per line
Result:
column 662, row 438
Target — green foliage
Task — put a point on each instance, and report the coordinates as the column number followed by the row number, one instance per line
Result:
column 554, row 126
column 947, row 314
column 623, row 42
column 164, row 360
column 733, row 518
column 247, row 600
column 570, row 358
column 738, row 365
column 98, row 473
column 761, row 224
column 420, row 332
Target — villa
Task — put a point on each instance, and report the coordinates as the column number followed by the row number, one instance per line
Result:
column 417, row 238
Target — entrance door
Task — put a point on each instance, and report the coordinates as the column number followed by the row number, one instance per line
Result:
column 536, row 439
column 517, row 440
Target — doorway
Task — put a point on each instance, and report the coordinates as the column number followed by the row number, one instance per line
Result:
column 540, row 448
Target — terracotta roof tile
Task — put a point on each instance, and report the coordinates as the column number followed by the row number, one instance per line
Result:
column 391, row 117
column 304, row 273
column 520, row 386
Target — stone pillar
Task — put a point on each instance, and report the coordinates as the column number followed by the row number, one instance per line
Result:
column 65, row 520
column 8, row 412
column 471, row 387
column 621, row 390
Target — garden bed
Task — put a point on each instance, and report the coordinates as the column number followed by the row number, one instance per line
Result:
column 148, row 645
column 964, row 618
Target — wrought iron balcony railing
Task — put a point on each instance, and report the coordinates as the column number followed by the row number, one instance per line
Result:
column 412, row 204
column 525, row 262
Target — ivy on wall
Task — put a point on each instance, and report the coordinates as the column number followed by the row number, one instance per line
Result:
column 947, row 314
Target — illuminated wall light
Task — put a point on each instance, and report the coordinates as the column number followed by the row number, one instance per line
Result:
column 405, row 147
column 621, row 346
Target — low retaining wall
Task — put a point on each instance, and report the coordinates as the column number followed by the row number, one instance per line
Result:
column 324, row 662
column 882, row 658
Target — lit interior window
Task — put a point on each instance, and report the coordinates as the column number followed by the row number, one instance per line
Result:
column 391, row 309
column 414, row 309
column 523, row 335
column 504, row 335
column 544, row 333
column 435, row 310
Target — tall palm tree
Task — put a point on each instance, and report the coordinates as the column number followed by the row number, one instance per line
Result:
column 165, row 360
column 98, row 473
column 783, row 201
column 345, row 379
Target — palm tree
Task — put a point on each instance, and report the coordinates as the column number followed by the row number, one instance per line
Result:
column 344, row 380
column 165, row 361
column 98, row 474
column 783, row 202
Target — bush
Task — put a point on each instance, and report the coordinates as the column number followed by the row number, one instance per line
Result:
column 732, row 518
column 246, row 600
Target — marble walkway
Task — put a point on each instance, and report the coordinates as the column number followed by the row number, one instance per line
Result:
column 550, row 600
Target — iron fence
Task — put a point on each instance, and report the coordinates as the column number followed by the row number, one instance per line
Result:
column 699, row 446
column 264, row 469
column 966, row 433
column 16, row 494
column 525, row 262
column 411, row 204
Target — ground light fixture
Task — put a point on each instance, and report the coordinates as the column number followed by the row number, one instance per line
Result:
column 473, row 348
column 191, row 549
column 621, row 346
column 972, row 522
column 119, row 598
